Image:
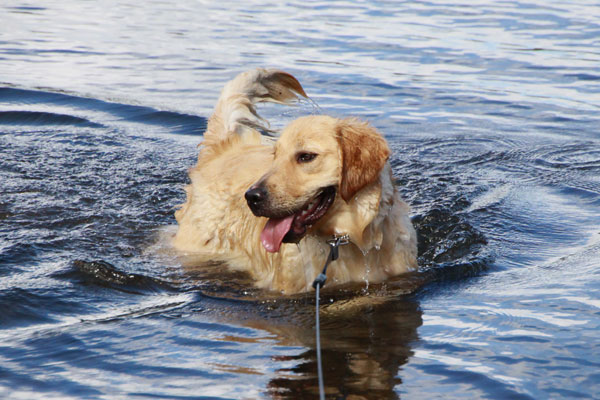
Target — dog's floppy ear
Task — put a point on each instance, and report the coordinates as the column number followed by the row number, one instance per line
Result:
column 364, row 154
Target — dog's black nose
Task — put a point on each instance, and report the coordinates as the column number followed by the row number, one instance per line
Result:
column 256, row 196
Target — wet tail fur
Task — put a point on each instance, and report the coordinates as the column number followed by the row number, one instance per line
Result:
column 235, row 115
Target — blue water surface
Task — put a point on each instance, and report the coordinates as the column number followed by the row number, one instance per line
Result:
column 491, row 109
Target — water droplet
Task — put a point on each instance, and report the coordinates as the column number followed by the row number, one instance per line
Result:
column 366, row 276
column 313, row 103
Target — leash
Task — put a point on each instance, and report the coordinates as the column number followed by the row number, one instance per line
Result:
column 334, row 253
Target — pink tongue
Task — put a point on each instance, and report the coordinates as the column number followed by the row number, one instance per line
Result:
column 274, row 231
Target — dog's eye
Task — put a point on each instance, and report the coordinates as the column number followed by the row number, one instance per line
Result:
column 305, row 157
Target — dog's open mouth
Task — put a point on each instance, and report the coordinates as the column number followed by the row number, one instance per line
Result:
column 292, row 228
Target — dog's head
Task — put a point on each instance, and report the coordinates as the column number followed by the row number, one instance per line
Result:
column 318, row 161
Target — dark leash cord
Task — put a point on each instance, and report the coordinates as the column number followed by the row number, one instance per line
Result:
column 318, row 283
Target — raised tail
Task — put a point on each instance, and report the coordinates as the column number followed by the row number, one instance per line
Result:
column 235, row 112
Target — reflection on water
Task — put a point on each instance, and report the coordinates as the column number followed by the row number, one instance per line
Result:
column 365, row 340
column 491, row 110
column 363, row 347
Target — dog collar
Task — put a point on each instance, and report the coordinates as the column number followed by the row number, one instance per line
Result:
column 334, row 252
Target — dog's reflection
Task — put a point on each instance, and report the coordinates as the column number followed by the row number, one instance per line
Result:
column 364, row 341
column 366, row 332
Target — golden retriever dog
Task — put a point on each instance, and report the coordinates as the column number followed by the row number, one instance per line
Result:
column 268, row 207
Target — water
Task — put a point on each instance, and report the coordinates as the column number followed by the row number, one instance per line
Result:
column 491, row 109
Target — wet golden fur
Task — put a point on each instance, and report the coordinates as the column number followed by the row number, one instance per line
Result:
column 215, row 223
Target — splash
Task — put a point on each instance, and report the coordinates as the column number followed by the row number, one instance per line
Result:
column 316, row 109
